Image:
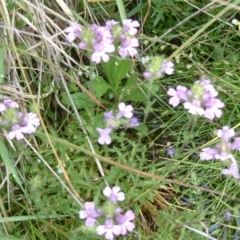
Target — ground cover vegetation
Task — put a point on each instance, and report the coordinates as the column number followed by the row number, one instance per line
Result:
column 119, row 119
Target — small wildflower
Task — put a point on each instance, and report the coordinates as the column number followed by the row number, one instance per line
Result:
column 29, row 123
column 10, row 103
column 147, row 75
column 223, row 151
column 167, row 67
column 104, row 136
column 19, row 123
column 214, row 110
column 208, row 153
column 110, row 119
column 236, row 144
column 128, row 47
column 114, row 194
column 109, row 230
column 90, row 214
column 199, row 100
column 225, row 133
column 73, row 32
column 177, row 95
column 124, row 110
column 125, row 222
column 130, row 26
column 194, row 107
column 115, row 223
column 134, row 122
column 100, row 52
column 16, row 132
column 99, row 41
column 171, row 152
column 228, row 216
column 157, row 67
column 124, row 118
column 232, row 170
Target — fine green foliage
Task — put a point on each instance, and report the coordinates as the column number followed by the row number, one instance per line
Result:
column 47, row 177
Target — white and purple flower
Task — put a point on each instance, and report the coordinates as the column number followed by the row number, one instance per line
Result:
column 90, row 214
column 200, row 100
column 114, row 194
column 125, row 222
column 223, row 151
column 19, row 123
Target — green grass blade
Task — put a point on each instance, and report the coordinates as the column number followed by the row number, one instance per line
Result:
column 121, row 9
column 4, row 237
column 1, row 68
column 28, row 218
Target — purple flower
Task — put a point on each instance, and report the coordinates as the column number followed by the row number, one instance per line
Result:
column 82, row 45
column 134, row 122
column 200, row 100
column 30, row 122
column 109, row 230
column 208, row 153
column 194, row 107
column 157, row 67
column 209, row 91
column 167, row 67
column 177, row 95
column 109, row 116
column 147, row 75
column 232, row 170
column 111, row 23
column 10, row 103
column 213, row 108
column 90, row 214
column 114, row 194
column 125, row 222
column 73, row 32
column 222, row 151
column 16, row 132
column 225, row 133
column 27, row 123
column 128, row 47
column 171, row 152
column 223, row 155
column 2, row 107
column 110, row 119
column 100, row 52
column 102, row 35
column 227, row 215
column 236, row 144
column 104, row 136
column 124, row 110
column 130, row 26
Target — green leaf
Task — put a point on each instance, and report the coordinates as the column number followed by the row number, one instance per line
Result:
column 108, row 68
column 134, row 93
column 100, row 86
column 81, row 100
column 9, row 164
column 116, row 70
column 121, row 69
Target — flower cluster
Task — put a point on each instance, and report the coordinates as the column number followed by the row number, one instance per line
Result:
column 123, row 118
column 201, row 99
column 157, row 67
column 17, row 122
column 223, row 151
column 114, row 222
column 100, row 41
